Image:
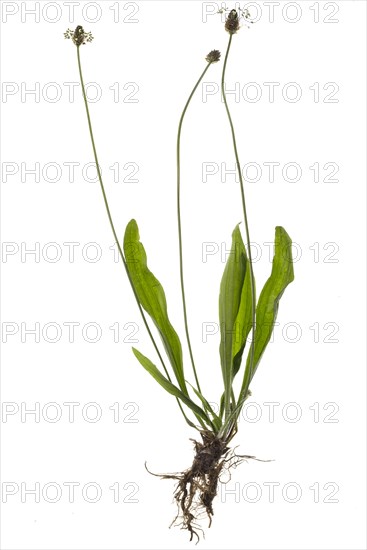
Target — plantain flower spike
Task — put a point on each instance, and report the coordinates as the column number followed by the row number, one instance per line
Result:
column 232, row 23
column 213, row 56
column 79, row 36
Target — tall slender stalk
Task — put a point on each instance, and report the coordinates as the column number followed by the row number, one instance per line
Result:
column 113, row 227
column 238, row 167
column 178, row 156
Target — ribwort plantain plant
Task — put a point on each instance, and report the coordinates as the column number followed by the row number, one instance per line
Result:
column 239, row 315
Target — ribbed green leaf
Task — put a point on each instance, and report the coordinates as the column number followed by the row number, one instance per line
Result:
column 168, row 386
column 152, row 298
column 243, row 323
column 229, row 303
column 267, row 307
column 221, row 406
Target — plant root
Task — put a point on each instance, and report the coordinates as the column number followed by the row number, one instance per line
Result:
column 197, row 486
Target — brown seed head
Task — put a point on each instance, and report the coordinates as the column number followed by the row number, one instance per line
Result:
column 213, row 56
column 79, row 36
column 232, row 23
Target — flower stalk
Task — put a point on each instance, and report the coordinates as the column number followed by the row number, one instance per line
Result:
column 79, row 37
column 232, row 26
column 212, row 57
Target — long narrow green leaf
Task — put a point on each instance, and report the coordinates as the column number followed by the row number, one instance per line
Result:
column 267, row 307
column 152, row 298
column 243, row 322
column 168, row 386
column 221, row 406
column 229, row 303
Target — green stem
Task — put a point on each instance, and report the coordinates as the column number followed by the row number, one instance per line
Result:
column 179, row 223
column 113, row 227
column 252, row 278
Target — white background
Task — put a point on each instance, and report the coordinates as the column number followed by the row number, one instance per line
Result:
column 163, row 54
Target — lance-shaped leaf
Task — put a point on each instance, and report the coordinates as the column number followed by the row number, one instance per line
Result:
column 152, row 298
column 169, row 387
column 243, row 322
column 229, row 303
column 267, row 307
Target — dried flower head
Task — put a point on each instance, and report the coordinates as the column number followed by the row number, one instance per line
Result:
column 79, row 36
column 232, row 23
column 213, row 56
